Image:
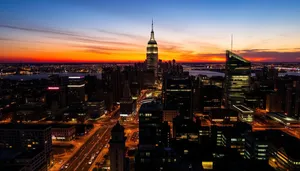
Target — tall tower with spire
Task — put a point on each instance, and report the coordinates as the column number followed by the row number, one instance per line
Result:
column 152, row 53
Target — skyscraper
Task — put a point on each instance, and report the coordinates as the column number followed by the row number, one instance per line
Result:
column 237, row 79
column 117, row 148
column 127, row 105
column 178, row 94
column 76, row 90
column 152, row 53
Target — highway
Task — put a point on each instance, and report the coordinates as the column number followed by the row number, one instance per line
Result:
column 94, row 149
column 80, row 160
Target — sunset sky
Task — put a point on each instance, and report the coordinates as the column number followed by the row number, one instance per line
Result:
column 118, row 30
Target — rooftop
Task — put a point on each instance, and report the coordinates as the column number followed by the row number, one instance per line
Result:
column 153, row 106
column 243, row 109
column 24, row 126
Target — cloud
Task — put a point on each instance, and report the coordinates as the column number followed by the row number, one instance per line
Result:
column 5, row 39
column 103, row 49
column 57, row 33
column 40, row 30
column 121, row 34
column 254, row 55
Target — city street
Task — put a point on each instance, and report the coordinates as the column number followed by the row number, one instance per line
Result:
column 83, row 146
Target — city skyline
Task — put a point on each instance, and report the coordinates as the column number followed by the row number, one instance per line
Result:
column 117, row 31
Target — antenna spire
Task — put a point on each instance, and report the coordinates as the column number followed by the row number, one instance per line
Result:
column 231, row 42
column 152, row 24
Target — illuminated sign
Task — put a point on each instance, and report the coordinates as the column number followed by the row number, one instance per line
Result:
column 53, row 88
column 123, row 114
column 76, row 86
column 76, row 77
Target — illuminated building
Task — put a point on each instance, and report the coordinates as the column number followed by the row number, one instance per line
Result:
column 27, row 137
column 117, row 149
column 231, row 137
column 223, row 116
column 76, row 89
column 185, row 129
column 77, row 112
column 178, row 94
column 245, row 113
column 237, row 79
column 284, row 151
column 152, row 53
column 127, row 104
column 257, row 146
column 169, row 115
column 283, row 119
column 63, row 132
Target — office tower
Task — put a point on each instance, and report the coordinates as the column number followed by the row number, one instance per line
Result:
column 77, row 112
column 237, row 77
column 55, row 97
column 96, row 108
column 297, row 100
column 91, row 85
column 127, row 104
column 185, row 129
column 210, row 98
column 117, row 149
column 178, row 93
column 150, row 121
column 152, row 53
column 256, row 146
column 27, row 137
column 112, row 82
column 273, row 102
column 76, row 90
column 56, row 94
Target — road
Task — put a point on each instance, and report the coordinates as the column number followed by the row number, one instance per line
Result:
column 102, row 127
column 92, row 149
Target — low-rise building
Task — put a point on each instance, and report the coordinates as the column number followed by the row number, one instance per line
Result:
column 63, row 132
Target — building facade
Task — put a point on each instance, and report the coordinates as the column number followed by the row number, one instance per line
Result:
column 237, row 79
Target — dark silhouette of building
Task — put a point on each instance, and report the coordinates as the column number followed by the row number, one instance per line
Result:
column 127, row 104
column 178, row 94
column 76, row 89
column 117, row 149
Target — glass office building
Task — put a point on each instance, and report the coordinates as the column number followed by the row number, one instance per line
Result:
column 237, row 79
